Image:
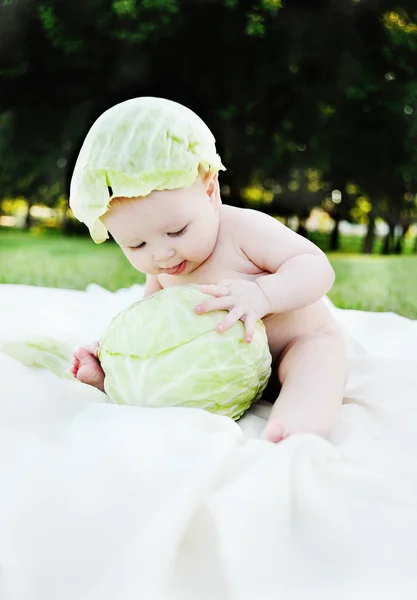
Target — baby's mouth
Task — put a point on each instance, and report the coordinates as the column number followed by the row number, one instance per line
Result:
column 177, row 270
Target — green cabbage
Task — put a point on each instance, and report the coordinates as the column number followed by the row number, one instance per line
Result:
column 134, row 148
column 160, row 353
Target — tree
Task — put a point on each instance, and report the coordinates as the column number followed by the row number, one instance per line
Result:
column 283, row 101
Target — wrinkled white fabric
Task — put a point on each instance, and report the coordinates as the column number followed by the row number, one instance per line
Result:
column 99, row 501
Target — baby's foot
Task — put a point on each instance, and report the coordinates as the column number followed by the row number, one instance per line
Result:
column 86, row 366
column 275, row 431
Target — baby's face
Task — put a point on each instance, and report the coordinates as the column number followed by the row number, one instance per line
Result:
column 171, row 231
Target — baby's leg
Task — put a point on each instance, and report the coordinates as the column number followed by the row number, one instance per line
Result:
column 313, row 372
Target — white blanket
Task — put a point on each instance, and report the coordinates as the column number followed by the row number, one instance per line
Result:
column 103, row 502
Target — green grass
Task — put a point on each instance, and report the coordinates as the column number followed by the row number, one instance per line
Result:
column 376, row 283
column 51, row 260
column 352, row 244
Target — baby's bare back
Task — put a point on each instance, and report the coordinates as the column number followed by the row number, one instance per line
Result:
column 228, row 261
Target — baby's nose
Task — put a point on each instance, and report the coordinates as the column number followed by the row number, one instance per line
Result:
column 163, row 254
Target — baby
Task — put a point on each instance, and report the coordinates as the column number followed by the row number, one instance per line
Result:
column 247, row 263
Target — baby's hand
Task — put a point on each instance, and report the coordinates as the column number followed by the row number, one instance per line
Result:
column 243, row 299
column 86, row 366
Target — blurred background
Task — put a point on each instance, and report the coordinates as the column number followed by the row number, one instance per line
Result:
column 313, row 104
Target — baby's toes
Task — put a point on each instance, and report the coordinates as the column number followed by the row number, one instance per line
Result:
column 75, row 366
column 91, row 373
column 274, row 431
column 84, row 353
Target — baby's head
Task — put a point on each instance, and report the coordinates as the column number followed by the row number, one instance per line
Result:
column 147, row 172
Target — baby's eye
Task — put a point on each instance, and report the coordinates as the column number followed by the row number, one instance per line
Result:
column 138, row 247
column 178, row 233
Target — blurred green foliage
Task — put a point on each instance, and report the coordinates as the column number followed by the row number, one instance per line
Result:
column 313, row 102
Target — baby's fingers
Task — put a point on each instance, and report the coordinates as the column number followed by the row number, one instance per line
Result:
column 215, row 290
column 250, row 324
column 233, row 317
column 223, row 303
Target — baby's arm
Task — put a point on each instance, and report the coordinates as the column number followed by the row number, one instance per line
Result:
column 86, row 365
column 300, row 272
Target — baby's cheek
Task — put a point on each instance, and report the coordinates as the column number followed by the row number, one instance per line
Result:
column 200, row 244
column 136, row 262
column 186, row 247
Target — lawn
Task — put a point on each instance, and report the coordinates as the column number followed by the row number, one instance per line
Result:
column 54, row 261
column 377, row 283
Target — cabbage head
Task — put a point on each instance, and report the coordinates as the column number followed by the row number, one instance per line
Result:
column 160, row 353
column 134, row 148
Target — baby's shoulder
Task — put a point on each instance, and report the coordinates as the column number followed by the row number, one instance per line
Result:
column 240, row 221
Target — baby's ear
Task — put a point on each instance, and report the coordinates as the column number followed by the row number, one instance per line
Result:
column 212, row 189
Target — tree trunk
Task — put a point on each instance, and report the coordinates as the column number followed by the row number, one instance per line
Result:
column 388, row 239
column 65, row 225
column 28, row 218
column 399, row 243
column 370, row 236
column 302, row 229
column 334, row 236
